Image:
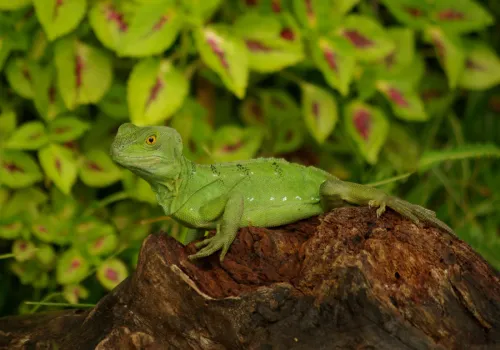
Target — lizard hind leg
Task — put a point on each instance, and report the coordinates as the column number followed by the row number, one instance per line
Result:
column 366, row 195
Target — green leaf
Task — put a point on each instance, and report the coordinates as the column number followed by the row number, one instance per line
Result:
column 114, row 103
column 482, row 67
column 450, row 53
column 10, row 229
column 8, row 121
column 45, row 228
column 405, row 102
column 84, row 72
column 102, row 245
column 344, row 6
column 153, row 29
column 9, row 5
column 319, row 110
column 18, row 169
column 59, row 165
column 111, row 273
column 126, row 216
column 20, row 73
column 401, row 148
column 98, row 170
column 45, row 255
column 24, row 203
column 67, row 128
column 460, row 16
column 335, row 59
column 109, row 21
column 201, row 9
column 252, row 112
column 272, row 42
column 432, row 158
column 5, row 49
column 72, row 267
column 74, row 292
column 231, row 143
column 368, row 127
column 319, row 15
column 138, row 188
column 23, row 250
column 156, row 90
column 413, row 13
column 435, row 93
column 403, row 55
column 225, row 54
column 48, row 100
column 59, row 17
column 369, row 39
column 29, row 136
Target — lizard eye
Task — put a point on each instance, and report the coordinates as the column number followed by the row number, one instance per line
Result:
column 151, row 140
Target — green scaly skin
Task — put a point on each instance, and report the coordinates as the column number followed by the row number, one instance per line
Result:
column 263, row 192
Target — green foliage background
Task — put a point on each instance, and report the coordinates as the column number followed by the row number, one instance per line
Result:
column 369, row 90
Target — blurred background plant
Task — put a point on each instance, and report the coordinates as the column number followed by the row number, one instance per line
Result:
column 405, row 90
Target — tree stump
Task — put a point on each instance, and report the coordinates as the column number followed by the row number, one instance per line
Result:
column 342, row 280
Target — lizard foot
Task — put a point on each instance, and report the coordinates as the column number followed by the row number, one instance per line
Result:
column 414, row 212
column 210, row 246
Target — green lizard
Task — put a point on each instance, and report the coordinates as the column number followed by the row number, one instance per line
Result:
column 263, row 192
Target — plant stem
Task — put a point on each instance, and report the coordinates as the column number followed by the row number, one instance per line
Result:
column 57, row 304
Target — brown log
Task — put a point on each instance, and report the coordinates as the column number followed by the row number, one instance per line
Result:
column 343, row 280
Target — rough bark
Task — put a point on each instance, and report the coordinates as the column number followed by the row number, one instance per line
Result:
column 343, row 280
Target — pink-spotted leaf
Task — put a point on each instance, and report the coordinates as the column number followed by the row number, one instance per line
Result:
column 319, row 109
column 231, row 143
column 110, row 21
column 155, row 91
column 72, row 267
column 98, row 170
column 450, row 53
column 482, row 67
column 47, row 98
column 29, row 136
column 460, row 16
column 59, row 165
column 20, row 74
column 226, row 54
column 111, row 272
column 273, row 42
column 413, row 13
column 368, row 127
column 84, row 72
column 73, row 293
column 59, row 17
column 18, row 169
column 67, row 128
column 335, row 59
column 153, row 29
column 405, row 102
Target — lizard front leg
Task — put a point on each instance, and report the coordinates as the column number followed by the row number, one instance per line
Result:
column 231, row 208
column 366, row 195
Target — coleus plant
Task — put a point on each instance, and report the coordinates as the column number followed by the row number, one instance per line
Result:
column 365, row 90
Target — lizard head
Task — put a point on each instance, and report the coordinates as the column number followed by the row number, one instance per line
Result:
column 152, row 152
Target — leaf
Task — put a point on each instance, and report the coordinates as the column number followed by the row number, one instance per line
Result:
column 252, row 112
column 401, row 148
column 23, row 250
column 272, row 42
column 368, row 127
column 403, row 55
column 434, row 93
column 24, row 203
column 344, row 6
column 126, row 218
column 482, row 67
column 8, row 121
column 432, row 158
column 72, row 267
column 47, row 98
column 74, row 292
column 153, row 29
column 231, row 143
column 101, row 134
column 59, row 17
column 10, row 229
column 114, row 103
column 67, row 128
column 5, row 49
column 335, row 59
column 138, row 188
column 111, row 273
column 59, row 165
column 84, row 72
column 98, row 170
column 155, row 91
column 460, row 16
column 29, row 136
column 45, row 255
column 319, row 16
column 10, row 5
column 369, row 39
column 20, row 73
column 201, row 9
column 405, row 102
column 225, row 54
column 109, row 21
column 18, row 169
column 450, row 53
column 45, row 228
column 319, row 110
column 413, row 13
column 103, row 245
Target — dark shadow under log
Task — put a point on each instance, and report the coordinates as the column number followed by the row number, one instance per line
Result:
column 344, row 280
